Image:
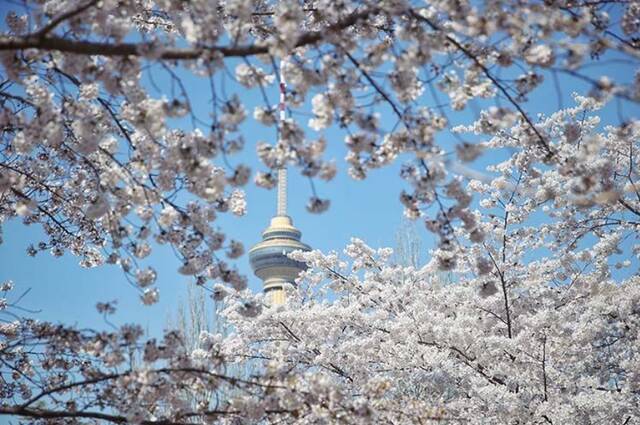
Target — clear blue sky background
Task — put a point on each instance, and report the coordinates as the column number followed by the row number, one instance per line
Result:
column 63, row 291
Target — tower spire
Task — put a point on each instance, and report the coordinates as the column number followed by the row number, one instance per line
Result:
column 282, row 171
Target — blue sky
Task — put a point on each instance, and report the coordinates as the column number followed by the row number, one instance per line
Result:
column 63, row 291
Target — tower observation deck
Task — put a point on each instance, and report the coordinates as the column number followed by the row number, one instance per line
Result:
column 268, row 258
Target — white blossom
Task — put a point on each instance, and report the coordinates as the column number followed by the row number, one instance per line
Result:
column 540, row 54
column 150, row 296
column 145, row 277
column 237, row 202
column 251, row 76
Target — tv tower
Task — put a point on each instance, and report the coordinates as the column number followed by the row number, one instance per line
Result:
column 268, row 258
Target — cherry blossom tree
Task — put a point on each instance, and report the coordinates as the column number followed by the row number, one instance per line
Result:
column 517, row 337
column 57, row 373
column 411, row 349
column 103, row 148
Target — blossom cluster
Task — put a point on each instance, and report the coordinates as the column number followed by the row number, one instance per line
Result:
column 504, row 343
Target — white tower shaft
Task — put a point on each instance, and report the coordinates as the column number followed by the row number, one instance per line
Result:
column 282, row 171
column 282, row 192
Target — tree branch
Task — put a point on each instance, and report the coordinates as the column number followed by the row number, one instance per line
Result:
column 37, row 413
column 63, row 17
column 49, row 43
column 503, row 283
column 544, row 367
column 629, row 207
column 52, row 414
column 541, row 141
